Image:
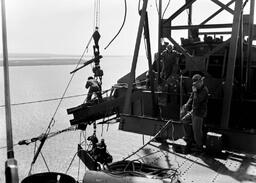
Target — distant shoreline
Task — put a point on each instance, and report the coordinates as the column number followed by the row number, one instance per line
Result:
column 28, row 60
column 39, row 62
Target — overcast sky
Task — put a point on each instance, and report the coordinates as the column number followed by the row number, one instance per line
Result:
column 65, row 26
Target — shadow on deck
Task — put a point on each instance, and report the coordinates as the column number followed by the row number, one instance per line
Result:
column 196, row 168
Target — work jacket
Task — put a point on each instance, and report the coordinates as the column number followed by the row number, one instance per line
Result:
column 93, row 84
column 199, row 100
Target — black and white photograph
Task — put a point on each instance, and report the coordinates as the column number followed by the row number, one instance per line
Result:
column 127, row 91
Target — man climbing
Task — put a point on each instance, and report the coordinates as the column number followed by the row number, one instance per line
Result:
column 94, row 87
column 198, row 103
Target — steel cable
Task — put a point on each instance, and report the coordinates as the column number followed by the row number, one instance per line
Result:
column 125, row 14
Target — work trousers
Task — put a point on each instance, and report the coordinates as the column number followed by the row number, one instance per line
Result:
column 194, row 133
column 90, row 93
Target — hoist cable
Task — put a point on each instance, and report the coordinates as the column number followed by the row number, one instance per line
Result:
column 166, row 8
column 125, row 14
column 45, row 162
column 52, row 121
column 96, row 13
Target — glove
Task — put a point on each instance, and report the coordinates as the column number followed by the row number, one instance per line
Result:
column 194, row 89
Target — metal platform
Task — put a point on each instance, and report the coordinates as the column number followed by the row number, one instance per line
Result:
column 201, row 168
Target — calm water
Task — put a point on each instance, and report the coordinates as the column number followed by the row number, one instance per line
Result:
column 32, row 83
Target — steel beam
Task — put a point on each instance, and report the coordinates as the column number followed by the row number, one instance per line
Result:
column 151, row 77
column 189, row 20
column 11, row 168
column 249, row 50
column 180, row 48
column 10, row 153
column 223, row 6
column 179, row 11
column 127, row 103
column 216, row 13
column 208, row 26
column 150, row 126
column 228, row 89
column 160, row 31
column 215, row 33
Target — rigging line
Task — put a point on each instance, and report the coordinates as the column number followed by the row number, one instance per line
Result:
column 166, row 8
column 78, row 171
column 45, row 161
column 175, row 154
column 52, row 134
column 94, row 17
column 96, row 13
column 71, row 163
column 31, row 165
column 86, row 48
column 4, row 147
column 157, row 134
column 152, row 153
column 125, row 14
column 51, row 123
column 156, row 6
column 45, row 100
column 99, row 14
column 35, row 146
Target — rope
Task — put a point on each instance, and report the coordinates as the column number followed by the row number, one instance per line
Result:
column 35, row 149
column 4, row 147
column 125, row 13
column 156, row 6
column 52, row 134
column 49, row 100
column 141, row 157
column 52, row 121
column 166, row 8
column 102, row 93
column 96, row 13
column 78, row 171
column 45, row 162
column 71, row 163
column 158, row 133
column 45, row 100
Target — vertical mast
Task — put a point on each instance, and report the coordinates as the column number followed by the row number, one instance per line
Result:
column 11, row 170
column 128, row 97
column 228, row 87
column 249, row 49
column 189, row 19
column 159, row 40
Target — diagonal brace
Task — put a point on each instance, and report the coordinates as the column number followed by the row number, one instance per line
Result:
column 223, row 6
column 216, row 13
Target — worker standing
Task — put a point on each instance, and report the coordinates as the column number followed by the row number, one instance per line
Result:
column 198, row 103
